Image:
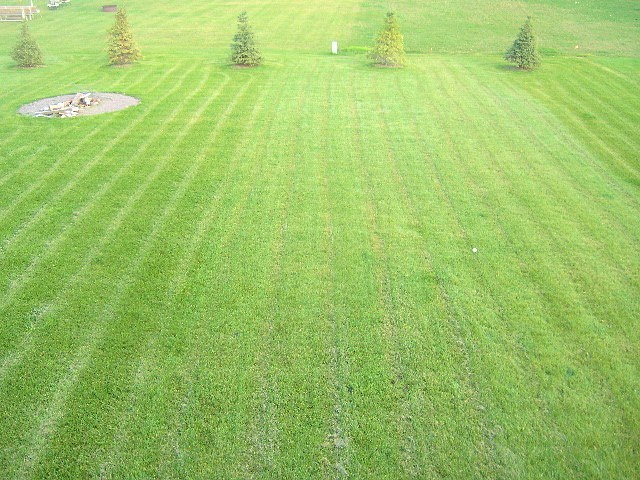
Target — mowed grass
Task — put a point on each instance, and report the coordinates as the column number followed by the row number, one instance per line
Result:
column 268, row 273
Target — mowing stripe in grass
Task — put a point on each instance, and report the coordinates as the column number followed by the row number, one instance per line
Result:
column 412, row 177
column 110, row 230
column 632, row 85
column 25, row 163
column 7, row 139
column 383, row 225
column 583, row 180
column 116, row 222
column 45, row 127
column 183, row 190
column 367, row 380
column 598, row 172
column 625, row 115
column 220, row 122
column 302, row 363
column 619, row 237
column 616, row 237
column 213, row 256
column 78, row 172
column 110, row 457
column 195, row 412
column 393, row 315
column 55, row 409
column 569, row 182
column 353, row 364
column 87, row 261
column 448, row 83
column 202, row 409
column 386, row 434
column 618, row 138
column 271, row 398
column 569, row 188
column 337, row 462
column 407, row 262
column 578, row 284
column 22, row 91
column 309, row 289
column 483, row 285
column 69, row 154
column 476, row 171
column 35, row 264
column 19, row 282
column 566, row 113
column 173, row 441
column 67, row 144
column 174, row 293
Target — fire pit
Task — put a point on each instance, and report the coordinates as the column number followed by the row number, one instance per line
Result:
column 69, row 108
column 80, row 104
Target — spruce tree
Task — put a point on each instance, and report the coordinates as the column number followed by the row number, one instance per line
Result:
column 389, row 48
column 122, row 49
column 243, row 49
column 27, row 52
column 524, row 51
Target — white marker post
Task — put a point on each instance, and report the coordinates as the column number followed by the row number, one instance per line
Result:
column 334, row 47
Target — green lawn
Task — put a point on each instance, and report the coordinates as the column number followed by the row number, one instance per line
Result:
column 268, row 273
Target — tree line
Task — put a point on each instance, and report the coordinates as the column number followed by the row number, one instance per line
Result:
column 388, row 50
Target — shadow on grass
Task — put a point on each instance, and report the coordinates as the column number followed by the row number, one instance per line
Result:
column 507, row 68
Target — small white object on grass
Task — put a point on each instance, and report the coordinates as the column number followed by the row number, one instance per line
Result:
column 474, row 250
column 334, row 47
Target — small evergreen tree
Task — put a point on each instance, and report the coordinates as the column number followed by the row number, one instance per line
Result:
column 243, row 49
column 524, row 51
column 122, row 49
column 27, row 52
column 389, row 48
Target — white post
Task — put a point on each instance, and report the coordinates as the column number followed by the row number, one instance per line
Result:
column 334, row 47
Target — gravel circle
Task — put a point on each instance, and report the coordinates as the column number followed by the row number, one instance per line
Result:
column 109, row 102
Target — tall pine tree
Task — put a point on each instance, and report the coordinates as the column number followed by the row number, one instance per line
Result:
column 524, row 51
column 244, row 50
column 122, row 49
column 27, row 53
column 389, row 48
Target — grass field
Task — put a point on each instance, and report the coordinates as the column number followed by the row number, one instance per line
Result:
column 268, row 273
